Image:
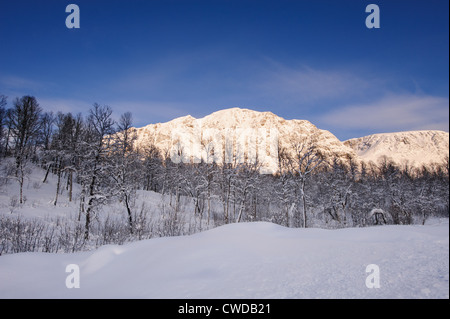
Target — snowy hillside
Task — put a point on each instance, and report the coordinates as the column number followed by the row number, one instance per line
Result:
column 247, row 260
column 58, row 225
column 415, row 147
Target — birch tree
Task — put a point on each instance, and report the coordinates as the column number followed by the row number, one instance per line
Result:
column 95, row 170
column 25, row 125
column 305, row 160
column 125, row 170
column 2, row 121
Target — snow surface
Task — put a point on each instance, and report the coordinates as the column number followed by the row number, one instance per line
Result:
column 246, row 260
column 39, row 197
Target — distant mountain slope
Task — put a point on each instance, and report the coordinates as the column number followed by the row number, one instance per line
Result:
column 415, row 147
column 241, row 130
column 244, row 132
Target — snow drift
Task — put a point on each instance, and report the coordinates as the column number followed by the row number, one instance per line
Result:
column 247, row 260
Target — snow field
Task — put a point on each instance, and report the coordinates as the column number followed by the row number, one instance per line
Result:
column 246, row 260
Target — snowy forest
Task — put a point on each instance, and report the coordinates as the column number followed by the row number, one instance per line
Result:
column 106, row 180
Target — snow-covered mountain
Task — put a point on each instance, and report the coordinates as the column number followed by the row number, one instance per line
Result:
column 239, row 133
column 416, row 148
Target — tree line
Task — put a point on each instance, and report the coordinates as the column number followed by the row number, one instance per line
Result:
column 100, row 154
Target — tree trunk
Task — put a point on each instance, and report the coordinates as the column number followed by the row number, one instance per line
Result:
column 228, row 202
column 21, row 189
column 82, row 201
column 130, row 216
column 147, row 186
column 89, row 208
column 241, row 208
column 86, row 226
column 304, row 203
column 58, row 183
column 209, row 205
column 46, row 174
column 177, row 200
column 287, row 215
column 234, row 204
column 255, row 204
column 7, row 140
column 70, row 185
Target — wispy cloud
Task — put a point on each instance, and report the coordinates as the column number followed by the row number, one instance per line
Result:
column 195, row 79
column 144, row 112
column 17, row 83
column 393, row 113
column 64, row 105
column 344, row 100
column 307, row 85
column 148, row 112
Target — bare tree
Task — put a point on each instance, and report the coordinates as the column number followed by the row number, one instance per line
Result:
column 225, row 181
column 2, row 120
column 126, row 162
column 94, row 162
column 246, row 184
column 25, row 126
column 152, row 163
column 339, row 181
column 306, row 159
column 62, row 149
column 284, row 185
column 47, row 124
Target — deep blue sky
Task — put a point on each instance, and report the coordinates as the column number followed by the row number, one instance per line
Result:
column 313, row 60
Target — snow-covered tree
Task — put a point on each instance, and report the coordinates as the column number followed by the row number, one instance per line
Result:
column 62, row 154
column 3, row 118
column 125, row 164
column 95, row 168
column 339, row 180
column 25, row 126
column 151, row 167
column 245, row 189
column 47, row 120
column 284, row 186
column 305, row 160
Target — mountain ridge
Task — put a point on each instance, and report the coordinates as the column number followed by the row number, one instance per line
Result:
column 228, row 126
column 414, row 148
